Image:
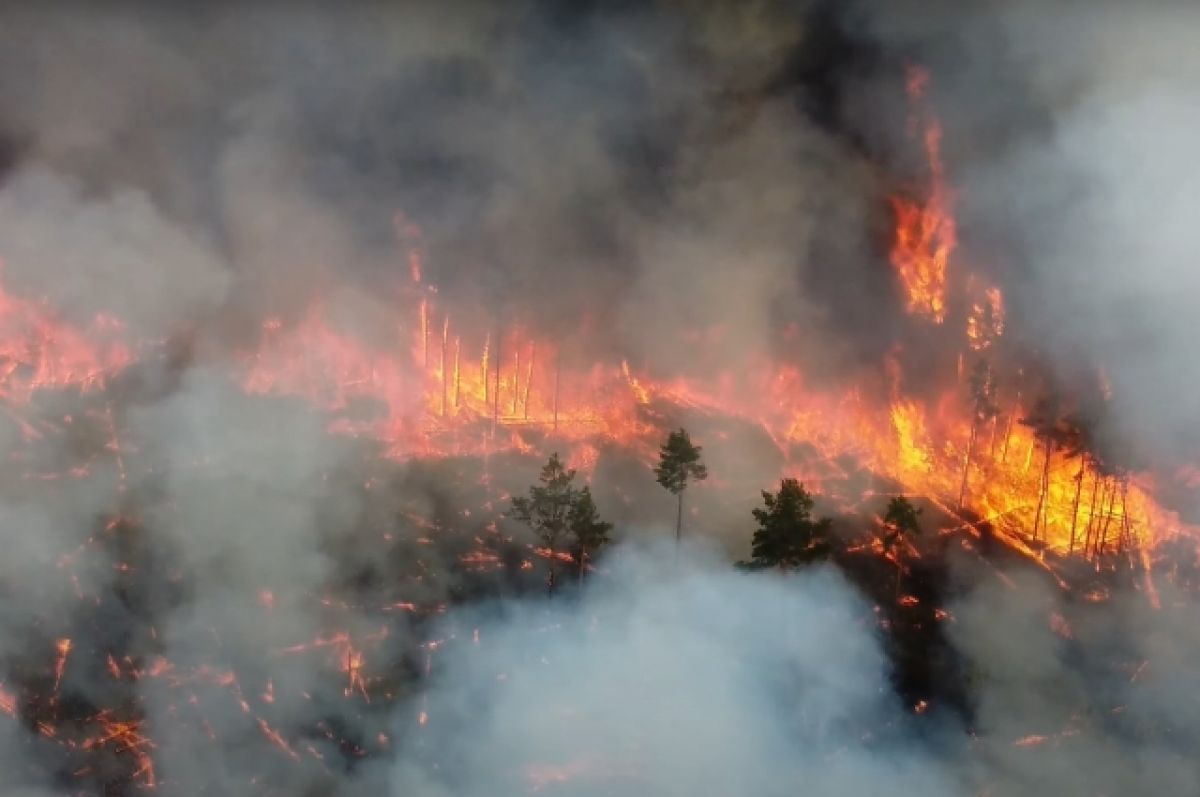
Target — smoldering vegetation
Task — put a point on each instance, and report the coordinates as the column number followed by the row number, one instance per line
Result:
column 257, row 606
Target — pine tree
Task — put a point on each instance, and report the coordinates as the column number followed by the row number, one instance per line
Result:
column 678, row 464
column 787, row 535
column 591, row 533
column 901, row 521
column 547, row 509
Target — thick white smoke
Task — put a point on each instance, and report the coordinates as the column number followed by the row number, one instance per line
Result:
column 666, row 679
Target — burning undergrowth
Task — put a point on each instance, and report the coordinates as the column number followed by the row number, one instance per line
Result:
column 282, row 332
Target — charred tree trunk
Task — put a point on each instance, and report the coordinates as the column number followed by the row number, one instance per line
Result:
column 1075, row 507
column 1043, row 488
column 1091, row 524
column 424, row 333
column 516, row 382
column 445, row 365
column 962, row 490
column 487, row 364
column 496, row 389
column 1012, row 416
column 557, row 376
column 457, row 372
column 1112, row 499
column 529, row 379
column 1124, row 515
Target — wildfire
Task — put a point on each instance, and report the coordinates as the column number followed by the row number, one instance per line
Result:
column 440, row 386
column 38, row 350
column 925, row 228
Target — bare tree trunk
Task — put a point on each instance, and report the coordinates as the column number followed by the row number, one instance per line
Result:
column 1008, row 427
column 1124, row 514
column 496, row 391
column 457, row 372
column 529, row 379
column 1043, row 488
column 1075, row 508
column 962, row 490
column 445, row 364
column 1112, row 499
column 516, row 382
column 486, row 367
column 424, row 333
column 679, row 519
column 557, row 376
column 582, row 563
column 1091, row 524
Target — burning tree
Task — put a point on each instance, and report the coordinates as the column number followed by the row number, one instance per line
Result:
column 678, row 464
column 1077, row 444
column 548, row 509
column 982, row 391
column 787, row 535
column 1045, row 422
column 901, row 521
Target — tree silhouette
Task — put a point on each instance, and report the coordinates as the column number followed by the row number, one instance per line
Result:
column 548, row 508
column 787, row 536
column 982, row 394
column 901, row 521
column 591, row 533
column 678, row 464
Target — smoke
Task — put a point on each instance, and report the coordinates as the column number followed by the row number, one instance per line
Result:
column 700, row 680
column 1077, row 698
column 1074, row 177
column 105, row 255
column 675, row 176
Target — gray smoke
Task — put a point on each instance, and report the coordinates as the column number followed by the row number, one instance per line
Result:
column 638, row 173
column 698, row 681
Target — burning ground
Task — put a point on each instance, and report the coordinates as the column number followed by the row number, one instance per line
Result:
column 292, row 304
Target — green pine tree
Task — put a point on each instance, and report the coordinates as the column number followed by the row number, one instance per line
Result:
column 591, row 533
column 678, row 465
column 787, row 535
column 547, row 509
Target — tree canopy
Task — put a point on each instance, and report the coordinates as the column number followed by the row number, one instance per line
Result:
column 787, row 535
column 590, row 532
column 555, row 507
column 679, row 462
column 900, row 520
column 547, row 508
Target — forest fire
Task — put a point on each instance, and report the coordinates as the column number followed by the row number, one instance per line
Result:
column 968, row 425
